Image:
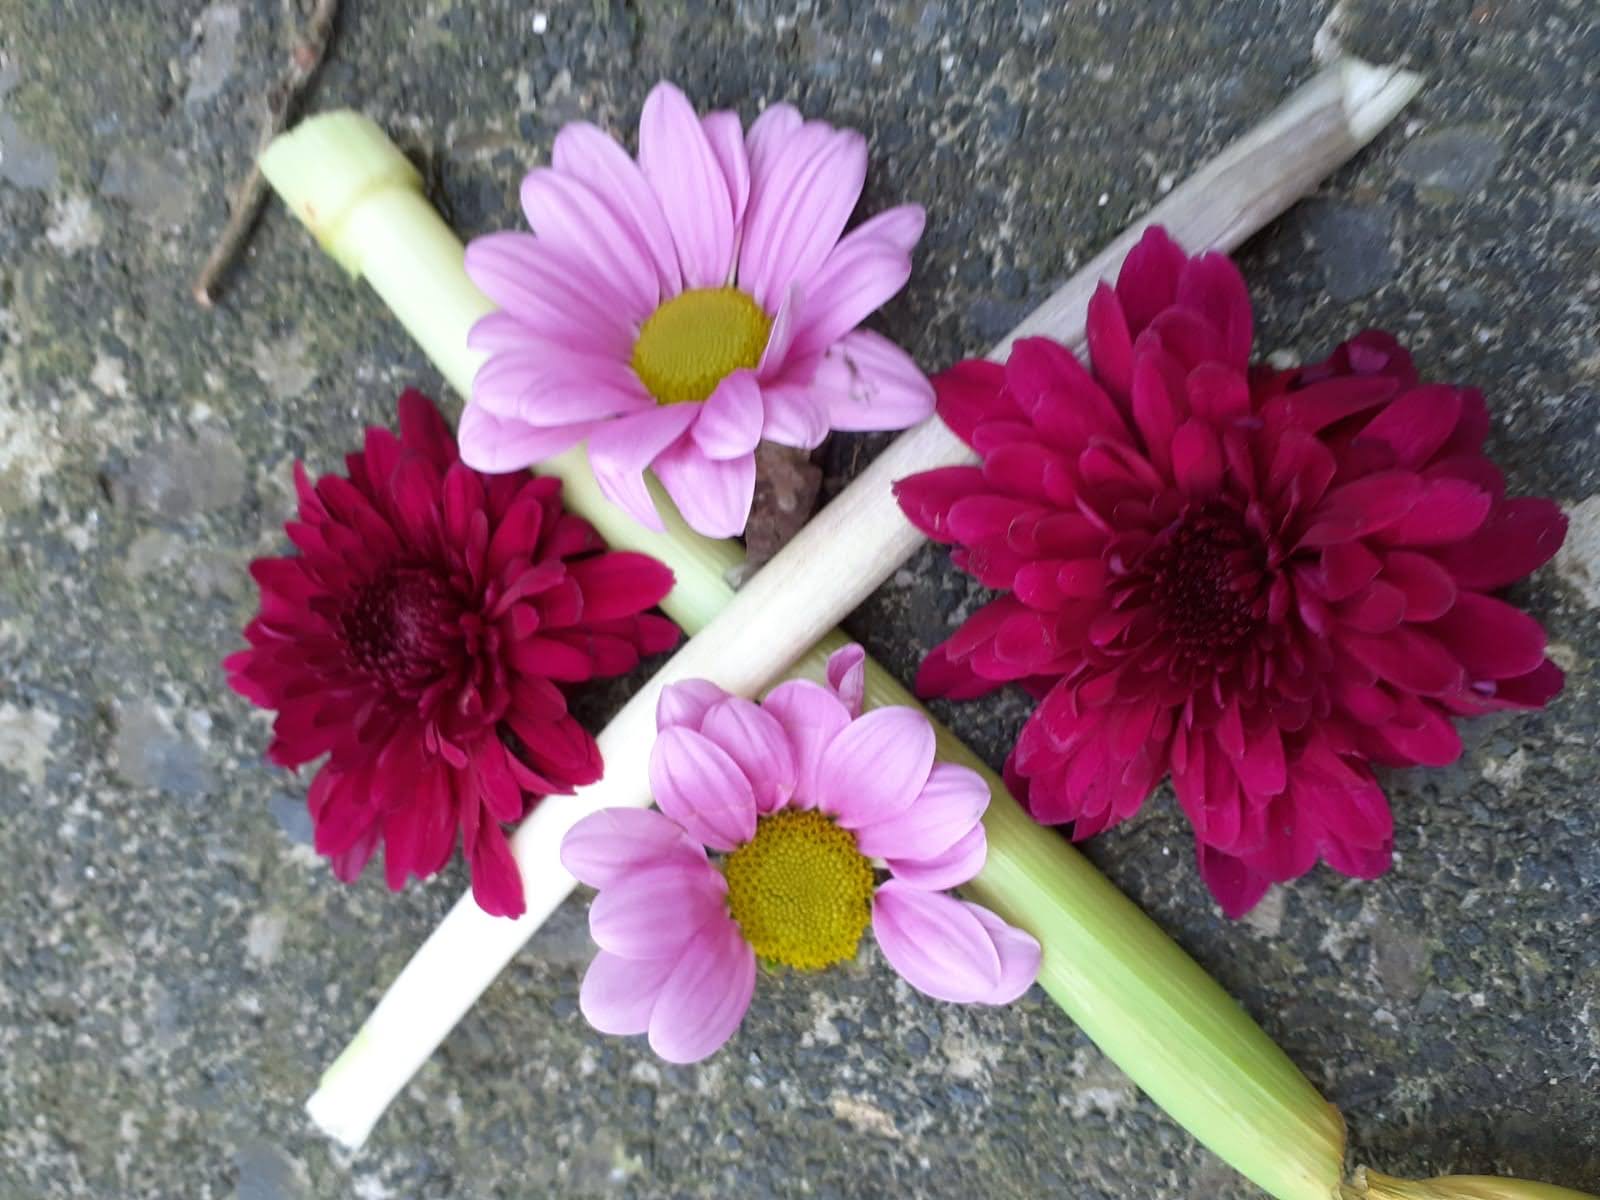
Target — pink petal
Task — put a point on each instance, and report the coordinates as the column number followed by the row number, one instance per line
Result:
column 775, row 357
column 614, row 842
column 945, row 811
column 497, row 444
column 729, row 424
column 726, row 136
column 936, row 943
column 800, row 198
column 653, row 910
column 756, row 741
column 713, row 495
column 875, row 768
column 1019, row 953
column 593, row 156
column 547, row 386
column 812, row 716
column 568, row 213
column 684, row 173
column 870, row 264
column 685, row 703
column 847, row 676
column 700, row 787
column 795, row 415
column 558, row 297
column 869, row 383
column 618, row 993
column 620, row 450
column 771, row 130
column 956, row 866
column 706, row 996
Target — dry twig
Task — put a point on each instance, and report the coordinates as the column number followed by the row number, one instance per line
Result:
column 305, row 57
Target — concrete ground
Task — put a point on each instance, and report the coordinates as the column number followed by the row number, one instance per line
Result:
column 178, row 966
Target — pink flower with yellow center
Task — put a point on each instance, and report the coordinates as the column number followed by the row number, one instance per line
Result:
column 676, row 310
column 802, row 798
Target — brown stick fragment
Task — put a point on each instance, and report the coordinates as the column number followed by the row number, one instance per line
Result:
column 245, row 204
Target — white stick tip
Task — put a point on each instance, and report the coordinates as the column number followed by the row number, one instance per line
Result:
column 337, row 1120
column 1374, row 95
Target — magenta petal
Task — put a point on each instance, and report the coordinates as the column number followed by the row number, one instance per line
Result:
column 686, row 702
column 706, row 996
column 686, row 176
column 754, row 739
column 620, row 450
column 700, row 787
column 1110, row 345
column 609, row 844
column 875, row 768
column 1492, row 639
column 812, row 716
column 1446, row 511
column 1236, row 885
column 1197, row 458
column 956, row 866
column 947, row 808
column 1019, row 952
column 730, row 422
column 653, row 910
column 618, row 993
column 713, row 495
column 1212, row 286
column 936, row 943
column 1416, row 423
column 869, row 383
column 847, row 676
column 1518, row 538
column 1148, row 281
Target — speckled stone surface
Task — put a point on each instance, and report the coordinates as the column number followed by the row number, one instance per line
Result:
column 178, row 966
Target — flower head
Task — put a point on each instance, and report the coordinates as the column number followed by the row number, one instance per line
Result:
column 1259, row 582
column 800, row 796
column 678, row 309
column 418, row 640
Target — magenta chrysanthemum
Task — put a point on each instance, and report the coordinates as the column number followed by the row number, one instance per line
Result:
column 1259, row 582
column 418, row 640
column 677, row 310
column 799, row 794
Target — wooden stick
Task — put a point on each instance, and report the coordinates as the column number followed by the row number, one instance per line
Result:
column 245, row 205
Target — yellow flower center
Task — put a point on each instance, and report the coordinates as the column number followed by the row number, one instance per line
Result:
column 696, row 340
column 800, row 890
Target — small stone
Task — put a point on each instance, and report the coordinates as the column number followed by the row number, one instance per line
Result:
column 151, row 753
column 265, row 935
column 293, row 817
column 25, row 735
column 1580, row 204
column 217, row 33
column 25, row 163
column 1352, row 244
column 74, row 226
column 1578, row 561
column 266, row 1172
column 284, row 367
column 1451, row 164
column 185, row 476
column 155, row 188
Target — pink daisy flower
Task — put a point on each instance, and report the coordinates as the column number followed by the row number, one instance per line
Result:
column 801, row 796
column 677, row 310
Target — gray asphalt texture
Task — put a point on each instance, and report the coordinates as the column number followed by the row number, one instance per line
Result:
column 178, row 966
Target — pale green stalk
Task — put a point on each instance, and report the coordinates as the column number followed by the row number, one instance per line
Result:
column 1149, row 1006
column 1369, row 1185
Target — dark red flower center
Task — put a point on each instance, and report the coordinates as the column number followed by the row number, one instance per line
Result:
column 404, row 627
column 1207, row 578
